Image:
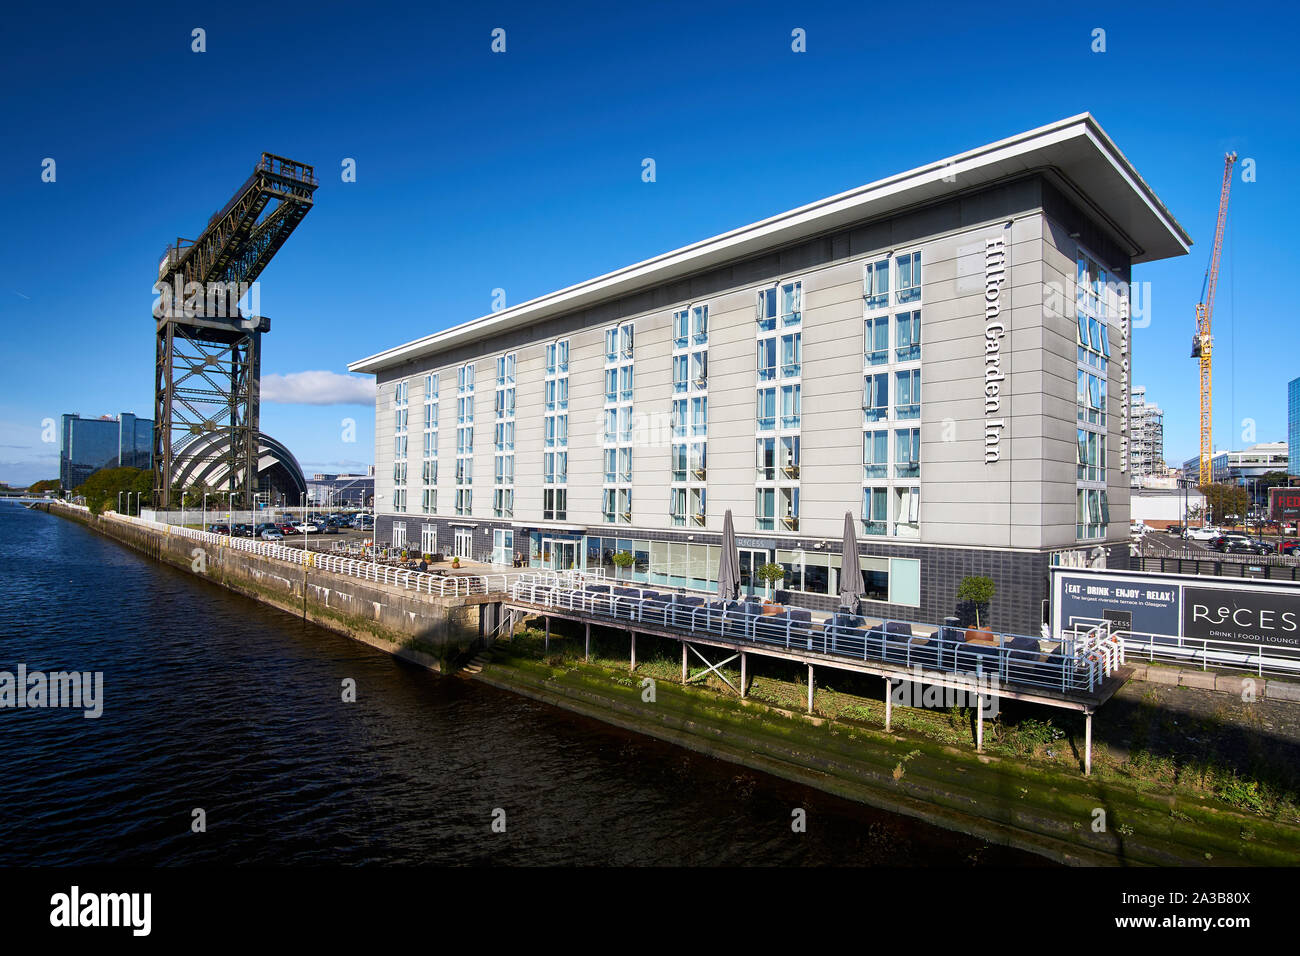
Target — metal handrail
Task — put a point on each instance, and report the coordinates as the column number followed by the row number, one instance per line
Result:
column 1083, row 659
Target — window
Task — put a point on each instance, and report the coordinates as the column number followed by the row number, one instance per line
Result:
column 907, row 453
column 908, row 337
column 791, row 355
column 681, row 329
column 907, row 508
column 791, row 304
column 619, row 419
column 877, row 340
column 555, row 505
column 681, row 373
column 465, row 438
column 875, row 511
column 875, row 284
column 399, row 534
column 907, row 400
column 875, row 454
column 875, row 401
column 909, row 277
column 766, row 411
column 765, row 508
column 790, row 406
column 700, row 324
column 766, row 359
column 765, row 459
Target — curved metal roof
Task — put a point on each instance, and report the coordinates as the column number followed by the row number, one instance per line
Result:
column 203, row 460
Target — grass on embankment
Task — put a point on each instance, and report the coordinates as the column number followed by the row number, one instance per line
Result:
column 1026, row 789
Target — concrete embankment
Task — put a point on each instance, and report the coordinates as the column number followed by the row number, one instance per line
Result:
column 426, row 629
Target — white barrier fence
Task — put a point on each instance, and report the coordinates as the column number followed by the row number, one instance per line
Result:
column 448, row 585
column 1258, row 659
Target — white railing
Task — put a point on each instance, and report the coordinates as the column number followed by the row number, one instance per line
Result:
column 1079, row 662
column 1204, row 653
column 450, row 585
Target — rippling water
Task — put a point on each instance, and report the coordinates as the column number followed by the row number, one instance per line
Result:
column 214, row 701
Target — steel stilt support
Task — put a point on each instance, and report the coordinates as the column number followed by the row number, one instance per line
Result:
column 587, row 646
column 683, row 662
column 1087, row 743
column 811, row 678
column 633, row 667
column 889, row 702
column 744, row 675
column 547, row 643
column 979, row 723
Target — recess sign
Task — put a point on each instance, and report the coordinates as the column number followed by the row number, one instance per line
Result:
column 1176, row 606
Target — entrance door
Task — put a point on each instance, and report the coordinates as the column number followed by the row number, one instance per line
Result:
column 464, row 543
column 503, row 546
column 564, row 554
column 750, row 562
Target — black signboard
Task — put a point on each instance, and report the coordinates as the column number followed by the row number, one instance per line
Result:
column 1284, row 504
column 1236, row 614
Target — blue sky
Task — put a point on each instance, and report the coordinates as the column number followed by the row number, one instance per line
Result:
column 522, row 170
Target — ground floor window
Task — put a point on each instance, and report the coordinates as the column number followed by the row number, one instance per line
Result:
column 429, row 539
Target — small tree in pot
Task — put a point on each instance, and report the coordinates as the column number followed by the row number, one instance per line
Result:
column 770, row 574
column 623, row 559
column 979, row 591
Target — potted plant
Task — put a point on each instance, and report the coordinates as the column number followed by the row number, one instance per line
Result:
column 977, row 590
column 455, row 562
column 770, row 574
column 623, row 559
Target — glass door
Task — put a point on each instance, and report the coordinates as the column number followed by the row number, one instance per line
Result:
column 564, row 555
column 503, row 546
column 464, row 543
column 750, row 561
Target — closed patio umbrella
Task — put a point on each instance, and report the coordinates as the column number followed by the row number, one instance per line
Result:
column 850, row 567
column 729, row 565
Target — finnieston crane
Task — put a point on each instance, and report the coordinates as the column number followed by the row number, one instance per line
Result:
column 1202, row 341
column 208, row 368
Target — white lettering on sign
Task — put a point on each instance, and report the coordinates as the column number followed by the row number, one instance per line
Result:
column 1123, row 377
column 995, row 274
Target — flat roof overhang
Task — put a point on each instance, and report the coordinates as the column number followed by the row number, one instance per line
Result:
column 1077, row 150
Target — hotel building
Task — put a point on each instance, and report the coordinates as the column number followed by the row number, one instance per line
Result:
column 944, row 354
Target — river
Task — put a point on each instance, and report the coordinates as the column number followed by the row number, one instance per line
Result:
column 212, row 701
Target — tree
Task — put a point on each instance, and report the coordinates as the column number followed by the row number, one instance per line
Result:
column 769, row 574
column 40, row 487
column 1225, row 498
column 978, row 590
column 101, row 489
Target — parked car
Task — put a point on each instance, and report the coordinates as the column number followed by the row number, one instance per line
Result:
column 1288, row 546
column 1246, row 546
column 1138, row 529
column 286, row 529
column 272, row 534
column 306, row 527
column 1176, row 529
column 218, row 529
column 1208, row 533
column 1221, row 541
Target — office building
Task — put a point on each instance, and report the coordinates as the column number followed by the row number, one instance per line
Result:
column 943, row 354
column 89, row 444
column 1293, row 424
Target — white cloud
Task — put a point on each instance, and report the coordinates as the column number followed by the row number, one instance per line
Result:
column 318, row 388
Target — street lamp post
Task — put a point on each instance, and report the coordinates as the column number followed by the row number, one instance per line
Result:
column 119, row 501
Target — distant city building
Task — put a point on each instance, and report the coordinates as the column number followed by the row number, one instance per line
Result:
column 344, row 491
column 1146, row 439
column 1293, row 423
column 1243, row 467
column 89, row 444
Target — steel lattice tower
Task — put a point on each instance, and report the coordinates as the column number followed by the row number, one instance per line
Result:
column 208, row 366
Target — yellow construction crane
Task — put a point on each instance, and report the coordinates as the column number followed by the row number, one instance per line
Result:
column 1201, row 341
